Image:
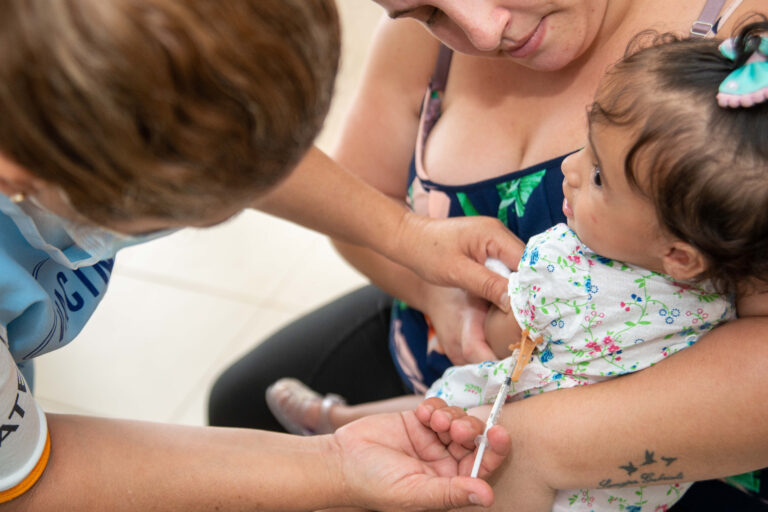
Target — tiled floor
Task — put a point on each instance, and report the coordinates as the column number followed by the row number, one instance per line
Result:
column 182, row 308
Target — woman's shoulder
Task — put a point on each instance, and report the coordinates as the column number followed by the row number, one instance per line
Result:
column 402, row 58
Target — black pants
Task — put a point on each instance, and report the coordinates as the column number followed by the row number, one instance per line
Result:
column 340, row 348
column 716, row 496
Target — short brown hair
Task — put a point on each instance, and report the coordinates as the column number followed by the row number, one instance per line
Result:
column 708, row 165
column 163, row 108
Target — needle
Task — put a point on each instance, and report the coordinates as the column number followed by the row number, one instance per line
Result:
column 492, row 419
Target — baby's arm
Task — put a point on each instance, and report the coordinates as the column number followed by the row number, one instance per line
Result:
column 501, row 330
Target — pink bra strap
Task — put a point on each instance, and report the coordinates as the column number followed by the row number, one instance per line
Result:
column 442, row 67
column 707, row 19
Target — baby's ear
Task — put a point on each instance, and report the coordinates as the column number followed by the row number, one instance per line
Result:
column 683, row 261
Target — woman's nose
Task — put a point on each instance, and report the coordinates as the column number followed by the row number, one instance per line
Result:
column 482, row 23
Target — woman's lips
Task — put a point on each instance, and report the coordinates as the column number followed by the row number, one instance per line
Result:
column 530, row 43
column 567, row 210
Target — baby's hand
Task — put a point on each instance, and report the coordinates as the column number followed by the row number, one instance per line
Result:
column 458, row 430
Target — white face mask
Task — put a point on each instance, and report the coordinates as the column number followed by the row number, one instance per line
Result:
column 69, row 243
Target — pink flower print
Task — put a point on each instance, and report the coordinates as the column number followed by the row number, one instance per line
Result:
column 569, row 371
column 591, row 262
column 661, row 508
column 613, row 349
column 607, row 340
column 574, row 258
column 624, row 305
column 594, row 346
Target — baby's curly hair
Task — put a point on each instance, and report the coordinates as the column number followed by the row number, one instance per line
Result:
column 707, row 166
column 163, row 108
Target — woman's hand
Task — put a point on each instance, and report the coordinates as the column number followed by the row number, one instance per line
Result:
column 400, row 462
column 458, row 320
column 452, row 252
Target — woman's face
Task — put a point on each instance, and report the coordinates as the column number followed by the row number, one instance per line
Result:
column 540, row 34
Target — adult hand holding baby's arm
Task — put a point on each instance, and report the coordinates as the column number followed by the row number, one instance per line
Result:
column 452, row 252
column 521, row 480
column 458, row 319
column 401, row 461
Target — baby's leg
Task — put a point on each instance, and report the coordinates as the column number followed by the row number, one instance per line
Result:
column 341, row 415
column 303, row 411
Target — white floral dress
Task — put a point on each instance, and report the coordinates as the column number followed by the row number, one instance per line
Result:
column 598, row 319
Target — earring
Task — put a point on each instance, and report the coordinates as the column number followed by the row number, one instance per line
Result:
column 18, row 197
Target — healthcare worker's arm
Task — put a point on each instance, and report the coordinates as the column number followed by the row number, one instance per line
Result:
column 321, row 195
column 381, row 462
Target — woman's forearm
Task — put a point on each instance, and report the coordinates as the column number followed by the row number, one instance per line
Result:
column 391, row 277
column 699, row 414
column 100, row 464
column 322, row 196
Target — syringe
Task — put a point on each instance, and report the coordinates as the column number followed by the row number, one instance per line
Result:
column 482, row 440
column 521, row 355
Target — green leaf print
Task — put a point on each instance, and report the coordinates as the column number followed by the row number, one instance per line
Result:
column 517, row 192
column 466, row 205
column 749, row 481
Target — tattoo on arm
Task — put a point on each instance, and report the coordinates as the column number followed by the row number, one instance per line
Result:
column 649, row 476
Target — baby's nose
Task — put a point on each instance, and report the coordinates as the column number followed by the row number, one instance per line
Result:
column 570, row 174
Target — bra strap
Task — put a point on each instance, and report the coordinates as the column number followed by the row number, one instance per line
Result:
column 442, row 67
column 707, row 19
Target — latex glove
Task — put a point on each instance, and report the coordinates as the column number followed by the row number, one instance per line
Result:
column 399, row 462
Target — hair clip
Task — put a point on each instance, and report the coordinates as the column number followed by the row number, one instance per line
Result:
column 748, row 84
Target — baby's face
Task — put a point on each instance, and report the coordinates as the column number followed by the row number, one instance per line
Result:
column 609, row 216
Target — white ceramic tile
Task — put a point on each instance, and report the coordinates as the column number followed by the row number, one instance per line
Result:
column 243, row 259
column 321, row 275
column 193, row 409
column 50, row 405
column 358, row 19
column 143, row 351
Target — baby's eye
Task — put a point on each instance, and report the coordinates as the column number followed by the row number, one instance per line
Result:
column 596, row 178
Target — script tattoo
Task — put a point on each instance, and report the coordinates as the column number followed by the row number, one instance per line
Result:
column 645, row 478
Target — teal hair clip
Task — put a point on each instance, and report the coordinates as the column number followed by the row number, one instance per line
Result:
column 747, row 85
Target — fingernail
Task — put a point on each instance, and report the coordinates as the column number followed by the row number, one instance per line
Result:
column 505, row 302
column 475, row 499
